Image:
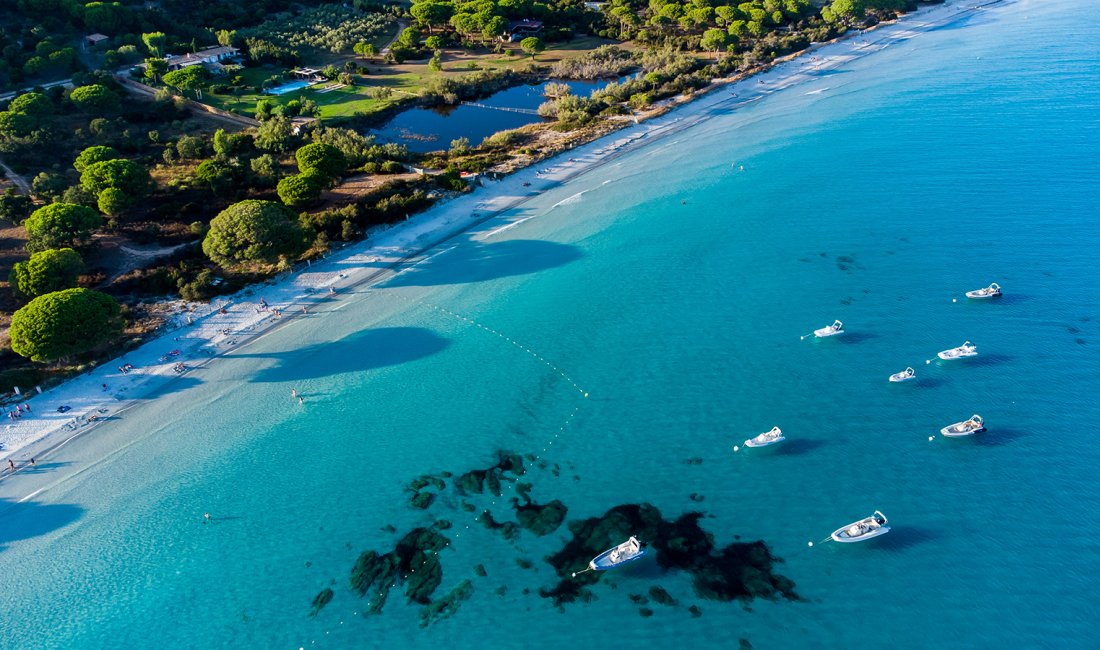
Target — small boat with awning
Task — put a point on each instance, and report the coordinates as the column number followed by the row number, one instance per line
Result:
column 624, row 553
column 992, row 291
column 904, row 375
column 965, row 350
column 862, row 530
column 766, row 438
column 830, row 330
column 965, row 428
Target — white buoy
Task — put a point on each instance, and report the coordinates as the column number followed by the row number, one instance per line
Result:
column 931, row 438
column 736, row 449
column 810, row 544
column 927, row 361
column 954, row 300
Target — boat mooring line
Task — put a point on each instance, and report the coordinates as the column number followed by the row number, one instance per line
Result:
column 508, row 339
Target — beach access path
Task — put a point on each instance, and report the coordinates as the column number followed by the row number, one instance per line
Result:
column 203, row 332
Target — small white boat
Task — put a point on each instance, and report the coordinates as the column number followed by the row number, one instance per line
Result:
column 862, row 530
column 624, row 553
column 965, row 428
column 904, row 375
column 766, row 438
column 965, row 350
column 830, row 330
column 992, row 291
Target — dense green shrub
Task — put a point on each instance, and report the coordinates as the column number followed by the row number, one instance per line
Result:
column 64, row 323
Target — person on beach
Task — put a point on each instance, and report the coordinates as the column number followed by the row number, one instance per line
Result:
column 293, row 392
column 301, row 400
column 11, row 465
column 28, row 407
column 332, row 291
column 32, row 462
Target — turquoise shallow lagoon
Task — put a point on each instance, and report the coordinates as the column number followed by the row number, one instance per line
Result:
column 673, row 287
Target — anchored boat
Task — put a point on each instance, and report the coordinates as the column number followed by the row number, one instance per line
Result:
column 862, row 530
column 830, row 330
column 992, row 291
column 624, row 553
column 965, row 428
column 904, row 375
column 766, row 438
column 965, row 350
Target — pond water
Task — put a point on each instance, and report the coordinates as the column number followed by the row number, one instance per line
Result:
column 432, row 129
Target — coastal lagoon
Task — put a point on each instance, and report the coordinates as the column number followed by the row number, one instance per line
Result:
column 433, row 129
column 673, row 288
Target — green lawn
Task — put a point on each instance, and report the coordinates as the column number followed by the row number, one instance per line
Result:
column 403, row 79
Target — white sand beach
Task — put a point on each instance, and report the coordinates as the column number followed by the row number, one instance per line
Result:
column 199, row 336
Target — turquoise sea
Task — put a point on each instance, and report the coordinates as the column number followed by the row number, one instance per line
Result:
column 673, row 288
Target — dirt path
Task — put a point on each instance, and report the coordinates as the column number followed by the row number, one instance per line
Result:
column 16, row 179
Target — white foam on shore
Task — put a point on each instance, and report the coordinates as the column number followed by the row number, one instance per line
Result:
column 203, row 334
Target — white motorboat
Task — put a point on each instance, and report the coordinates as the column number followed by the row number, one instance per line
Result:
column 904, row 375
column 830, row 330
column 862, row 530
column 963, row 351
column 766, row 438
column 624, row 553
column 965, row 428
column 992, row 291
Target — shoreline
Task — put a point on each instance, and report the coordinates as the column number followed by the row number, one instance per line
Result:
column 229, row 323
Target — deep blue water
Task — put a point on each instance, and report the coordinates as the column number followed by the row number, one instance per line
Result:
column 674, row 288
column 425, row 129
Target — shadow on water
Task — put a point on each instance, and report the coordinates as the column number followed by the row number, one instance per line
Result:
column 473, row 261
column 373, row 348
column 928, row 382
column 176, row 384
column 903, row 538
column 40, row 468
column 19, row 521
column 996, row 437
column 856, row 337
column 798, row 446
column 989, row 359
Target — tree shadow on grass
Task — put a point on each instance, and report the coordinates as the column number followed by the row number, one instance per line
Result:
column 474, row 261
column 19, row 521
column 365, row 350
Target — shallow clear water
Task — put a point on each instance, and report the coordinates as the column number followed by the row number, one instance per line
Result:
column 674, row 288
column 426, row 129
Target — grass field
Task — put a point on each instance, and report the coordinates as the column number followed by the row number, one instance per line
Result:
column 403, row 79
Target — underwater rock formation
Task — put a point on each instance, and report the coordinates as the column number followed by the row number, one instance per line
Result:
column 421, row 500
column 540, row 519
column 476, row 481
column 320, row 600
column 414, row 563
column 507, row 529
column 739, row 570
column 447, row 605
column 658, row 595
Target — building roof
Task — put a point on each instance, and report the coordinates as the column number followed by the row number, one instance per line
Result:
column 524, row 25
column 202, row 56
column 96, row 38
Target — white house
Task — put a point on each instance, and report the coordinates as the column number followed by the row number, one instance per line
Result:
column 203, row 57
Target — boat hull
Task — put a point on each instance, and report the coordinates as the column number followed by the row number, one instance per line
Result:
column 978, row 295
column 602, row 562
column 837, row 535
column 950, row 355
column 900, row 377
column 753, row 443
column 950, row 432
column 826, row 332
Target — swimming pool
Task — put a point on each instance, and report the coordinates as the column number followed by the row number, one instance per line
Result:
column 287, row 88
